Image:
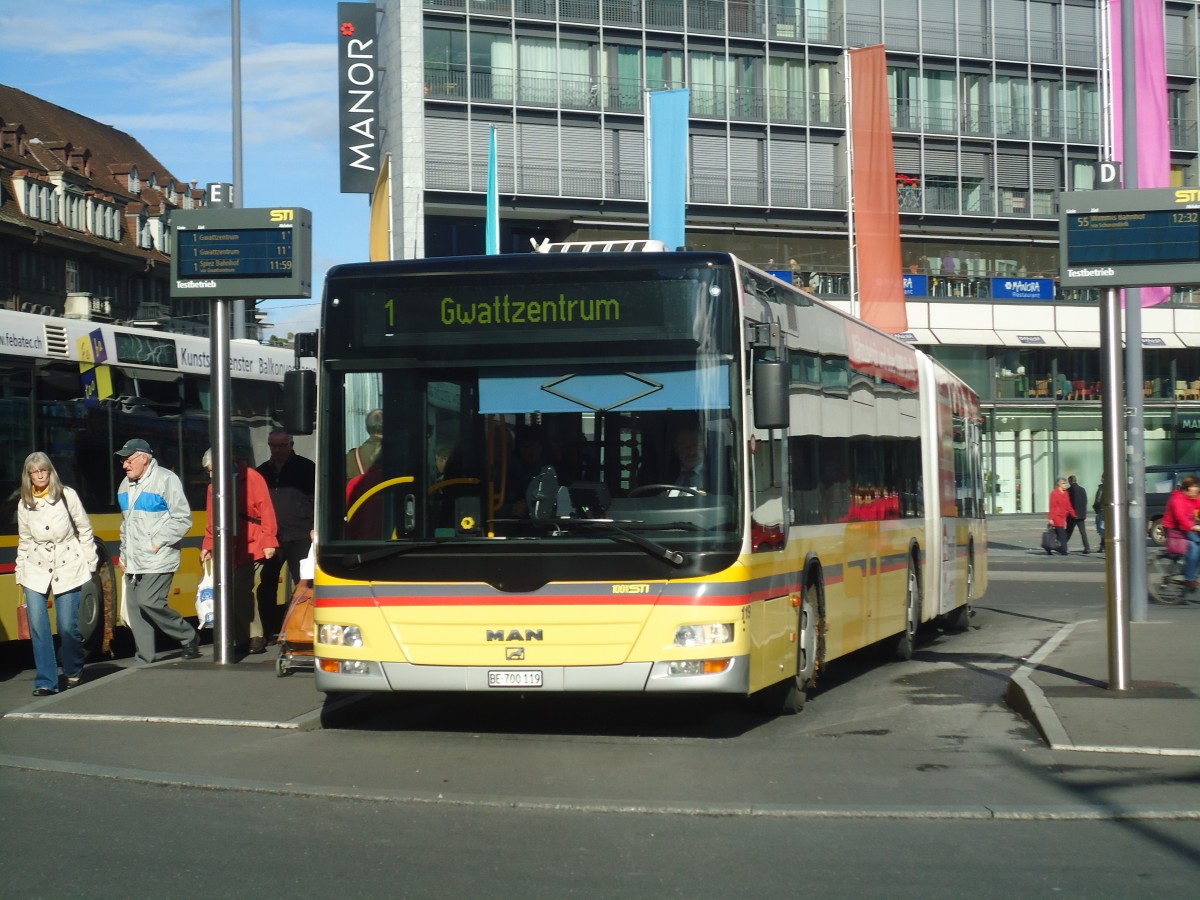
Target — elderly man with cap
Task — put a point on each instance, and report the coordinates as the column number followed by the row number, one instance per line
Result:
column 155, row 518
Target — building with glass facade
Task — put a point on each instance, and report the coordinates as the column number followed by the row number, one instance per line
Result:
column 996, row 106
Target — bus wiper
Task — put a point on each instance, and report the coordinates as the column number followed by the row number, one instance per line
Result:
column 354, row 560
column 652, row 547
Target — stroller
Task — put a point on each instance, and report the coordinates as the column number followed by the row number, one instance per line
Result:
column 296, row 635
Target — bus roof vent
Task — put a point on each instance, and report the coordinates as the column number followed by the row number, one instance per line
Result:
column 56, row 340
column 600, row 247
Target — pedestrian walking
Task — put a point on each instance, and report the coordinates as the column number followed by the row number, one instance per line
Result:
column 292, row 480
column 1060, row 509
column 254, row 542
column 155, row 518
column 1098, row 509
column 1077, row 518
column 55, row 555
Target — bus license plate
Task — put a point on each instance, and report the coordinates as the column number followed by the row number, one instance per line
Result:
column 514, row 678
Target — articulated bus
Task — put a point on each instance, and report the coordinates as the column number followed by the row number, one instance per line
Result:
column 525, row 525
column 77, row 390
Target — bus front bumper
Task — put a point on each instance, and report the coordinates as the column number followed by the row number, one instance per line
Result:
column 641, row 677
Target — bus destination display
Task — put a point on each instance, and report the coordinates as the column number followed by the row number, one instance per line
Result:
column 258, row 253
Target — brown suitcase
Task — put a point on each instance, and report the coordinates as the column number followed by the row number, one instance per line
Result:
column 296, row 637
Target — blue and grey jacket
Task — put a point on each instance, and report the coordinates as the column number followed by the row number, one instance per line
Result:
column 154, row 511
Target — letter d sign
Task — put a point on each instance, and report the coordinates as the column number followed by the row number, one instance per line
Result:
column 1108, row 175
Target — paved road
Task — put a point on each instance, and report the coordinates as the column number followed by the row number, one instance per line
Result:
column 117, row 838
column 932, row 738
column 910, row 778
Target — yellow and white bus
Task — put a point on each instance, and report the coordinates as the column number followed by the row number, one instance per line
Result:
column 77, row 390
column 525, row 524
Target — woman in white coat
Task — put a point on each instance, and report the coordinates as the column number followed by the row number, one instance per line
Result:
column 55, row 555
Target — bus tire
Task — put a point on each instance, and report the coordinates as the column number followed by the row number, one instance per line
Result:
column 787, row 697
column 91, row 602
column 960, row 619
column 906, row 641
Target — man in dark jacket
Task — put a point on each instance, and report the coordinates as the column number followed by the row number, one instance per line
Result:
column 292, row 482
column 1079, row 513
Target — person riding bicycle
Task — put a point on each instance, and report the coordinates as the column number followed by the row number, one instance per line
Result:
column 1183, row 514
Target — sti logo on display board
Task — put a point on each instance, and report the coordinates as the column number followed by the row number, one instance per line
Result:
column 242, row 253
column 1130, row 238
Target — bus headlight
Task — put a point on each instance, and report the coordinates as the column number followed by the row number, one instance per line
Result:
column 699, row 666
column 703, row 635
column 340, row 635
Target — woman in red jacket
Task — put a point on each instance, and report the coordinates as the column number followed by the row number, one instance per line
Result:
column 255, row 541
column 1060, row 508
column 1183, row 514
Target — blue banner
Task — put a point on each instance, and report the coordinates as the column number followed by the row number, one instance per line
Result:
column 1022, row 289
column 492, row 229
column 668, row 166
column 916, row 285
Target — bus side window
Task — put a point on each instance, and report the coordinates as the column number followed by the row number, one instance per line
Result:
column 768, row 521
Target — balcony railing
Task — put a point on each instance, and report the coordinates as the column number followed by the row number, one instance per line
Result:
column 483, row 85
column 911, row 115
column 615, row 13
column 1183, row 134
column 822, row 109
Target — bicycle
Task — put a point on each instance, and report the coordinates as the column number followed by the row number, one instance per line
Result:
column 1167, row 584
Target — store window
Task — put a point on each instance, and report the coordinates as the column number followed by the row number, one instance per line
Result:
column 1019, row 473
column 968, row 363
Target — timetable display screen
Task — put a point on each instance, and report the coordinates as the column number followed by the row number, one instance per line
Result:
column 227, row 253
column 1117, row 238
column 1155, row 236
column 249, row 253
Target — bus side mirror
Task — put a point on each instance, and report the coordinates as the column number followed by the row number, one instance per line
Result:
column 770, row 394
column 300, row 401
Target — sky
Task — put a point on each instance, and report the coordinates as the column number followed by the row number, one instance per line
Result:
column 162, row 73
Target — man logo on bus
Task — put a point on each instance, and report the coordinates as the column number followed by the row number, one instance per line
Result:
column 514, row 634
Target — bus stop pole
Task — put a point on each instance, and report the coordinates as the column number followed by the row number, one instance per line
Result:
column 1135, row 433
column 222, row 483
column 1115, row 560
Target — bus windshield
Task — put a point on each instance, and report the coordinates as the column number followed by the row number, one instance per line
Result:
column 569, row 413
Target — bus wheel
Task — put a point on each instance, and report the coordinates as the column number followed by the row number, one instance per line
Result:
column 808, row 642
column 787, row 697
column 960, row 619
column 906, row 641
column 103, row 583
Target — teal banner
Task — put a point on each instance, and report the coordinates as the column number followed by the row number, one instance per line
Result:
column 668, row 166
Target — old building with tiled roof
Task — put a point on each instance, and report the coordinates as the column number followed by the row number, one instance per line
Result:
column 84, row 210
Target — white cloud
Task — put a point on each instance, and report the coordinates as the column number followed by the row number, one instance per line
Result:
column 161, row 72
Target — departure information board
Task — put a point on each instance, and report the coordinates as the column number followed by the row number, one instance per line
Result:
column 242, row 253
column 257, row 252
column 1134, row 238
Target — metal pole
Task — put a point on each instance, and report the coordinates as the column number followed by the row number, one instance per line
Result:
column 222, row 482
column 1114, row 479
column 1135, row 433
column 239, row 306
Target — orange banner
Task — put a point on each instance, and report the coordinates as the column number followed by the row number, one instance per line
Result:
column 873, row 181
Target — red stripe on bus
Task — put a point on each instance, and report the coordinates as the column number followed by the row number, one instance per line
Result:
column 591, row 600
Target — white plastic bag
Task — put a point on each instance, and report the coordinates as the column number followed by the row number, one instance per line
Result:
column 204, row 597
column 308, row 565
